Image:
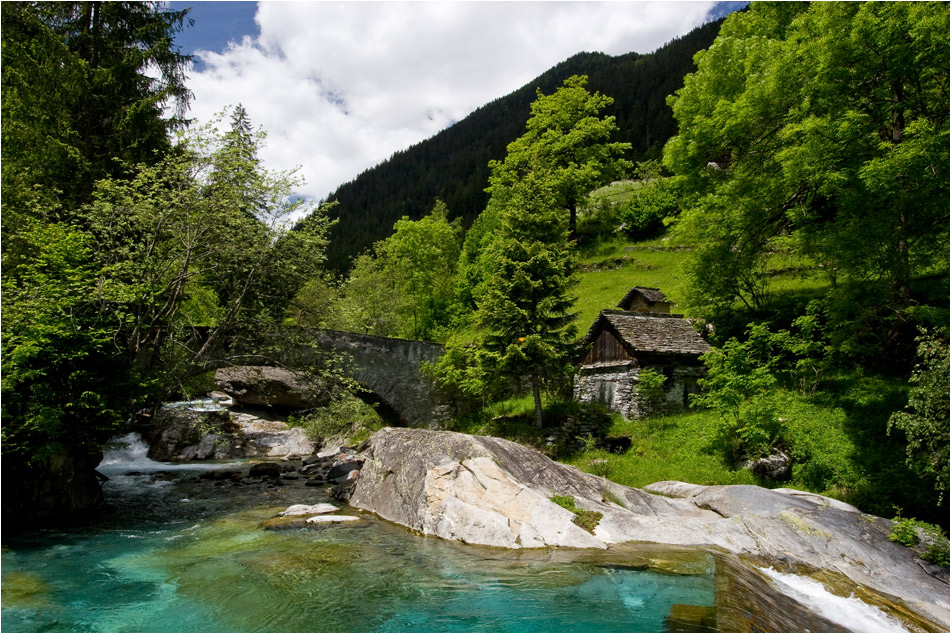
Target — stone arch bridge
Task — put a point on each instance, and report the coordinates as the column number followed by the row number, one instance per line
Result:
column 392, row 370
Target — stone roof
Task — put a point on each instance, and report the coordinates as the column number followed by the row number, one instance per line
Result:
column 652, row 295
column 651, row 332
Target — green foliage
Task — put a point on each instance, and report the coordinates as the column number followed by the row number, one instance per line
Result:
column 742, row 379
column 819, row 131
column 405, row 287
column 421, row 258
column 475, row 258
column 652, row 204
column 199, row 385
column 101, row 310
column 908, row 531
column 65, row 383
column 346, row 417
column 317, row 304
column 566, row 137
column 524, row 309
column 650, row 385
column 85, row 86
column 925, row 420
column 587, row 520
column 84, row 89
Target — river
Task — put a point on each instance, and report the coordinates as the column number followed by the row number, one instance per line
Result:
column 173, row 552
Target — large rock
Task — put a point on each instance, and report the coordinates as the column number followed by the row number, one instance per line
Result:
column 490, row 491
column 176, row 434
column 266, row 386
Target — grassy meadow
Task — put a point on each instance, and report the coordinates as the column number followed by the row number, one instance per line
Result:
column 837, row 437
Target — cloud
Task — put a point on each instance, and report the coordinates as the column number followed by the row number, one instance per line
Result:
column 341, row 86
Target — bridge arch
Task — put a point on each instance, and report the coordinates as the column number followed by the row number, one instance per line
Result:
column 392, row 370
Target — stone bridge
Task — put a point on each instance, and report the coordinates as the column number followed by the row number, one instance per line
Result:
column 391, row 369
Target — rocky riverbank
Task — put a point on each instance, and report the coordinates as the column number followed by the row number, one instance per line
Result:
column 494, row 492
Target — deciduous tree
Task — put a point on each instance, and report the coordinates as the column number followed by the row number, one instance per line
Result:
column 819, row 130
column 567, row 135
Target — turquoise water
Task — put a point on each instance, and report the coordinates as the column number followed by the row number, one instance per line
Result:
column 176, row 554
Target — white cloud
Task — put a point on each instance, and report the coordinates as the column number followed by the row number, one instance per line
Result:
column 340, row 86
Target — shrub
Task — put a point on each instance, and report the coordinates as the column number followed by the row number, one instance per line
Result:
column 346, row 416
column 925, row 420
column 909, row 531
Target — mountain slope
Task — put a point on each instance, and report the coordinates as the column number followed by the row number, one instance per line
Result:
column 453, row 164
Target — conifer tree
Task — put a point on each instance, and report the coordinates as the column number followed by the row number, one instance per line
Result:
column 527, row 300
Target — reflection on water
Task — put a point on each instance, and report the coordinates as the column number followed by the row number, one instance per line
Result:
column 178, row 554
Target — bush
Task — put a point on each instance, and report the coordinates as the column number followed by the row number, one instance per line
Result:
column 652, row 204
column 909, row 532
column 925, row 420
column 345, row 417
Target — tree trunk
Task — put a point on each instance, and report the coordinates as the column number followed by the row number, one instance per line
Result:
column 901, row 278
column 573, row 219
column 536, row 393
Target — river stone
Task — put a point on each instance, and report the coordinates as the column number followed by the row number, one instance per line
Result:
column 308, row 509
column 265, row 470
column 272, row 438
column 332, row 519
column 776, row 466
column 494, row 492
column 176, row 434
column 339, row 472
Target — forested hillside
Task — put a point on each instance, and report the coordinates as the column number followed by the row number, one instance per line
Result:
column 453, row 165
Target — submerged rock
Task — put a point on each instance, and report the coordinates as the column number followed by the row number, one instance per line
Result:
column 332, row 519
column 265, row 470
column 494, row 492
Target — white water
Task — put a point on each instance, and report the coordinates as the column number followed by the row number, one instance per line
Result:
column 130, row 454
column 851, row 613
column 200, row 405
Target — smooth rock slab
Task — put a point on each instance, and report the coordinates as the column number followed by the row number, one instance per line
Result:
column 494, row 492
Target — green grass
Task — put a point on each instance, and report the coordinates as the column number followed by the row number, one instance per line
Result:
column 654, row 263
column 588, row 520
column 612, row 265
column 665, row 448
column 618, row 191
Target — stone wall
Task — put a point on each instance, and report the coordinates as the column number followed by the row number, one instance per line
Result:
column 616, row 387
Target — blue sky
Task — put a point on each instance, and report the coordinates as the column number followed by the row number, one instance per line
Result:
column 216, row 24
column 341, row 86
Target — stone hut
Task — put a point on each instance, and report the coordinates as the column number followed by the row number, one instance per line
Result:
column 643, row 299
column 625, row 343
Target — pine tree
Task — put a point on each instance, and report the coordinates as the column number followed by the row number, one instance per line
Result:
column 527, row 300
